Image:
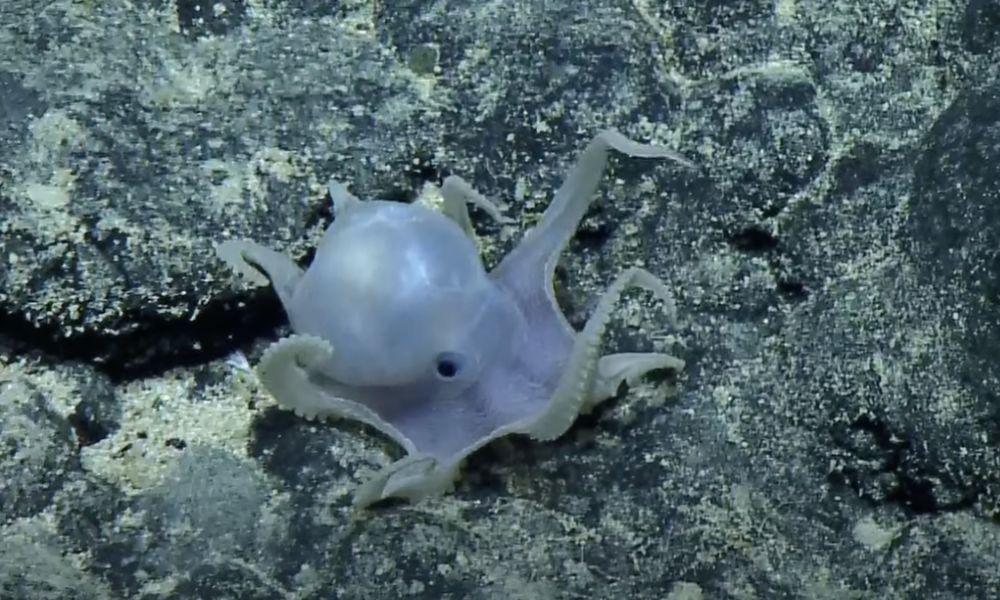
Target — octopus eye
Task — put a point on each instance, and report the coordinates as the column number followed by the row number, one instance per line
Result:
column 449, row 365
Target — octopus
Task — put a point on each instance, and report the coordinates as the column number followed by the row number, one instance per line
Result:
column 397, row 324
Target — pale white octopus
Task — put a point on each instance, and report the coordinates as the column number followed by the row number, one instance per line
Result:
column 398, row 325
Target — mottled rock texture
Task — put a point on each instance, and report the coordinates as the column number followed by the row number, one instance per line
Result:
column 836, row 433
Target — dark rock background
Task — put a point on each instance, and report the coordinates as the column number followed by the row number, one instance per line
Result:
column 836, row 261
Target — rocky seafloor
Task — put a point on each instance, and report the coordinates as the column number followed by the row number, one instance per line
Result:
column 835, row 258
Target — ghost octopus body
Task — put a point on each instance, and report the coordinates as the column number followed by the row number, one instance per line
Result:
column 398, row 325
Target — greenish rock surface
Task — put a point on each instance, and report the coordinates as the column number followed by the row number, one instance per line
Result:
column 836, row 433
